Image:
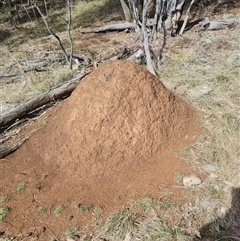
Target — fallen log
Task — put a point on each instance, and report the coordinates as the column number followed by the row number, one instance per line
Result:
column 8, row 149
column 38, row 65
column 110, row 27
column 208, row 25
column 54, row 94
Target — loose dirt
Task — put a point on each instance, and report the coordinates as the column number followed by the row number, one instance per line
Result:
column 121, row 133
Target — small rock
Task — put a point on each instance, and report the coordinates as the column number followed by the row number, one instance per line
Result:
column 191, row 180
column 75, row 237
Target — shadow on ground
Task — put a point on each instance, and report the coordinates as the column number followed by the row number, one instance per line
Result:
column 226, row 228
column 4, row 34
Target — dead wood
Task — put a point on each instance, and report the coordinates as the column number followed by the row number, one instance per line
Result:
column 54, row 94
column 81, row 58
column 38, row 65
column 208, row 25
column 110, row 27
column 136, row 56
column 27, row 66
column 51, row 32
column 8, row 149
column 186, row 18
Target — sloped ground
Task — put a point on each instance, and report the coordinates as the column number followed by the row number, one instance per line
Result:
column 113, row 138
column 205, row 70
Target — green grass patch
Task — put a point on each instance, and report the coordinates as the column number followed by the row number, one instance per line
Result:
column 4, row 199
column 21, row 186
column 41, row 209
column 58, row 211
column 83, row 207
column 71, row 232
column 3, row 212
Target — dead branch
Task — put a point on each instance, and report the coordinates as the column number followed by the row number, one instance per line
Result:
column 136, row 16
column 76, row 56
column 186, row 18
column 110, row 27
column 51, row 32
column 81, row 58
column 38, row 65
column 136, row 55
column 23, row 109
column 30, row 66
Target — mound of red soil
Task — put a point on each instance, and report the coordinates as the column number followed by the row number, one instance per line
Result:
column 114, row 137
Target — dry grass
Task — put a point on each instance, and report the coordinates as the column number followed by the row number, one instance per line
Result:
column 206, row 71
column 144, row 219
column 28, row 42
column 15, row 90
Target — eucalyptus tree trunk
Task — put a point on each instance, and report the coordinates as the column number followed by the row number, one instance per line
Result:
column 150, row 67
column 126, row 10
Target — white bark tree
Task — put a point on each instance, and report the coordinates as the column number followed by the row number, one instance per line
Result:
column 126, row 10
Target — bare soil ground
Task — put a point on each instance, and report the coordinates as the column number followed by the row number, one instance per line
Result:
column 133, row 135
column 113, row 138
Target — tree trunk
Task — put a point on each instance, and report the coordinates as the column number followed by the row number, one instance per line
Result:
column 145, row 37
column 208, row 25
column 126, row 10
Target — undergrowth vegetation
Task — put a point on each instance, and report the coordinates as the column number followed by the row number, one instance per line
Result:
column 30, row 43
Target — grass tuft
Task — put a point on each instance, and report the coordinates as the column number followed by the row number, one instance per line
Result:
column 21, row 186
column 119, row 225
column 58, row 211
column 83, row 207
column 71, row 232
column 3, row 213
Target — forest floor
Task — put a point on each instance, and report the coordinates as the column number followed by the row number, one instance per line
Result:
column 52, row 200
